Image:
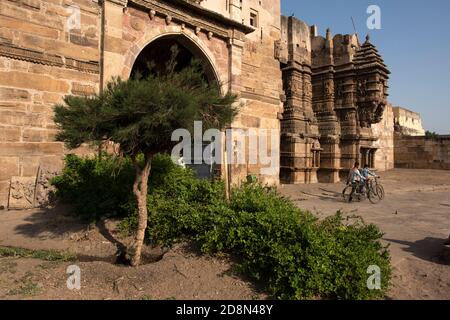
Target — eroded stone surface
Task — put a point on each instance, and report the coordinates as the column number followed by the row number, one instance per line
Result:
column 21, row 194
column 44, row 193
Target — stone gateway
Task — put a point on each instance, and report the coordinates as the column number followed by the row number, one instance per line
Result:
column 327, row 96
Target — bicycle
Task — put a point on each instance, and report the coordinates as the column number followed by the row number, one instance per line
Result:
column 362, row 192
column 378, row 187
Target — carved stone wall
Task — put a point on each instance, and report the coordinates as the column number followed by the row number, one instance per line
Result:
column 348, row 91
column 300, row 147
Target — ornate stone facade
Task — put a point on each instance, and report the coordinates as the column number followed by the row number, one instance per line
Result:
column 322, row 94
column 336, row 89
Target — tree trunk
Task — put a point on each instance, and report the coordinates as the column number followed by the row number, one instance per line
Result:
column 140, row 187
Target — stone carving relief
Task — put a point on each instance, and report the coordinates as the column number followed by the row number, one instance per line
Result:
column 193, row 20
column 44, row 192
column 307, row 91
column 362, row 87
column 328, row 88
column 339, row 90
column 292, row 86
column 19, row 53
column 381, row 86
column 21, row 193
column 33, row 192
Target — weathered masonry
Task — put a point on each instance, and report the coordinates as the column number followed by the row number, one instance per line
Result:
column 336, row 89
column 327, row 96
column 421, row 152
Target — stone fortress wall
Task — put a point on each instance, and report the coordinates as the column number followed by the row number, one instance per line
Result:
column 420, row 152
column 384, row 157
column 408, row 122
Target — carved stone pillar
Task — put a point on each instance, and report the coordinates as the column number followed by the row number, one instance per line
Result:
column 299, row 130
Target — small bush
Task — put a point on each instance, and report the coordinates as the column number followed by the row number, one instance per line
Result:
column 95, row 186
column 295, row 254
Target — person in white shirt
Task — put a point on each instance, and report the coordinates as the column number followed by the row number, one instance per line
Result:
column 356, row 179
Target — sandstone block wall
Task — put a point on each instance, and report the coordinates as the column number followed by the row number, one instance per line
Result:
column 260, row 84
column 41, row 61
column 45, row 55
column 384, row 156
column 422, row 152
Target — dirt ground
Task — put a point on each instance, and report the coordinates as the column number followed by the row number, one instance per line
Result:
column 415, row 217
column 181, row 273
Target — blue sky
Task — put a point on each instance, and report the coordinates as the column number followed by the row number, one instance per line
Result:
column 414, row 41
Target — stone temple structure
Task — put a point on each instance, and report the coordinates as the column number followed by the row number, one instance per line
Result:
column 336, row 89
column 325, row 96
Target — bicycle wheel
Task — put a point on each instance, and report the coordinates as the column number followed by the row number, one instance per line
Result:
column 373, row 196
column 380, row 191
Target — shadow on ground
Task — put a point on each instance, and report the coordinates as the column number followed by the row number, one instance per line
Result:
column 50, row 223
column 428, row 249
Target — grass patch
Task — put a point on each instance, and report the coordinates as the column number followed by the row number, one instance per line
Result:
column 8, row 266
column 46, row 255
column 27, row 288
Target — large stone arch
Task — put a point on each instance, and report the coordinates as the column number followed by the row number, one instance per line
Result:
column 189, row 37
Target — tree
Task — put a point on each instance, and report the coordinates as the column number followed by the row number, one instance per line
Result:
column 140, row 115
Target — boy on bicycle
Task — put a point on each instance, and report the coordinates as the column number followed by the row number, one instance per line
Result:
column 366, row 173
column 356, row 179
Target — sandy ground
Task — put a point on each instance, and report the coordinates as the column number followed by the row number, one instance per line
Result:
column 415, row 217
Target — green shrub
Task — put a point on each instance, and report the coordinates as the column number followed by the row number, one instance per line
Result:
column 95, row 186
column 176, row 203
column 295, row 254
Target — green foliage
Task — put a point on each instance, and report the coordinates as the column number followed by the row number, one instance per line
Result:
column 430, row 134
column 140, row 114
column 295, row 254
column 175, row 199
column 95, row 186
